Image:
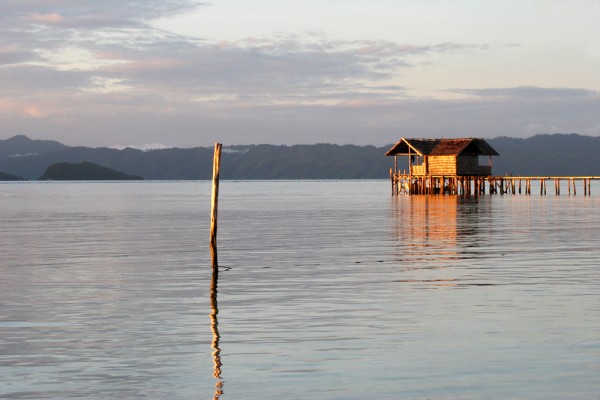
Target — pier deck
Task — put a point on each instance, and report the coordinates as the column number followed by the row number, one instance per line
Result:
column 403, row 183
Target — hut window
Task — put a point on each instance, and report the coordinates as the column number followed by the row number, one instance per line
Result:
column 416, row 160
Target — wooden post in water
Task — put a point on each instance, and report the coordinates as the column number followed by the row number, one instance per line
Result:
column 542, row 186
column 589, row 187
column 214, row 205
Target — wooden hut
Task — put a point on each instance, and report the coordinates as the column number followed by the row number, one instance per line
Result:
column 434, row 163
column 448, row 157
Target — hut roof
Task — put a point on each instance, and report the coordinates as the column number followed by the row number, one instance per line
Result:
column 442, row 147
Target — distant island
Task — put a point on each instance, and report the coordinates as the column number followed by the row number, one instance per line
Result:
column 84, row 171
column 9, row 177
column 553, row 154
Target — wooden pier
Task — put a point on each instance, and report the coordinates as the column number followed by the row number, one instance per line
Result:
column 454, row 167
column 403, row 183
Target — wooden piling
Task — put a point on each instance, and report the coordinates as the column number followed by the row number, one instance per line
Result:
column 544, row 180
column 542, row 187
column 476, row 185
column 214, row 204
column 589, row 187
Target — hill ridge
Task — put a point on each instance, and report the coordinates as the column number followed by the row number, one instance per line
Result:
column 83, row 171
column 549, row 154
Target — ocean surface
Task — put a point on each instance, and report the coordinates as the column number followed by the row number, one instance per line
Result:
column 325, row 290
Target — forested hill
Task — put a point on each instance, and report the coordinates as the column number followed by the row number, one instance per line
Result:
column 84, row 171
column 558, row 154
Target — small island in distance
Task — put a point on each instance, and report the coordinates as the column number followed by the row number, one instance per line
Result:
column 84, row 171
column 10, row 177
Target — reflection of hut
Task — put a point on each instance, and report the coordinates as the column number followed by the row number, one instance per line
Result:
column 438, row 163
column 433, row 232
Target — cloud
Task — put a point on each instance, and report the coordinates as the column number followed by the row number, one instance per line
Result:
column 278, row 69
column 26, row 81
column 100, row 72
column 34, row 111
column 375, row 122
column 144, row 147
column 10, row 56
column 112, row 46
column 91, row 14
column 528, row 92
column 50, row 19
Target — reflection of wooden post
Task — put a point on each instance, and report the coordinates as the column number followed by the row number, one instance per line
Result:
column 214, row 204
column 214, row 326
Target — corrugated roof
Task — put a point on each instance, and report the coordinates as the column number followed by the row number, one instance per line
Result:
column 442, row 147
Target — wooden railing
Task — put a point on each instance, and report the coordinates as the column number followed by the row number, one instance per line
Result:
column 417, row 169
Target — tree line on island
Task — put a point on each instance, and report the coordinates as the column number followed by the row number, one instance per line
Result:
column 24, row 158
column 84, row 171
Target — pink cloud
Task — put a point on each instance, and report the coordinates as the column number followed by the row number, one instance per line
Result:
column 145, row 65
column 50, row 19
column 34, row 111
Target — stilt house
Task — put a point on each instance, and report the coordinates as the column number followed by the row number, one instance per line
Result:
column 445, row 157
column 461, row 166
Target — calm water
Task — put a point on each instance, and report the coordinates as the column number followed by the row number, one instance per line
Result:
column 326, row 290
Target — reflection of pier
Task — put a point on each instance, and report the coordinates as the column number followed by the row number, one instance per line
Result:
column 214, row 326
column 434, row 231
column 424, row 221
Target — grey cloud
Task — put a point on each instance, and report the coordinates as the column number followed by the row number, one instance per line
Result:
column 90, row 13
column 277, row 68
column 279, row 65
column 528, row 92
column 363, row 121
column 8, row 57
column 185, row 92
column 31, row 80
column 31, row 29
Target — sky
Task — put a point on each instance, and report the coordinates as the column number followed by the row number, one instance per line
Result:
column 186, row 73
